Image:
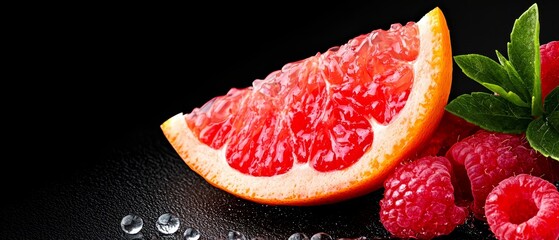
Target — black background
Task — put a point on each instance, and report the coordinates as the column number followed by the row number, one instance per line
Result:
column 92, row 84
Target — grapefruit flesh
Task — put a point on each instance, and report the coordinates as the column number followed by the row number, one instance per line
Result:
column 326, row 128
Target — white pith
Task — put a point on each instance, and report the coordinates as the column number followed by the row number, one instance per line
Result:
column 310, row 183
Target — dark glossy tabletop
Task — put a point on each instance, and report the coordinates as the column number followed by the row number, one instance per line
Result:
column 84, row 145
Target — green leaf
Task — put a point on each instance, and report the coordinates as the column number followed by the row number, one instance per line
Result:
column 552, row 108
column 481, row 69
column 544, row 138
column 509, row 96
column 553, row 120
column 516, row 83
column 493, row 76
column 524, row 53
column 552, row 101
column 491, row 112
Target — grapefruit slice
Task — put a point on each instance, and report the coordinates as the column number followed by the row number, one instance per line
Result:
column 326, row 128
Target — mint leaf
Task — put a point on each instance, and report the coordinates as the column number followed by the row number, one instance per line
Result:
column 516, row 106
column 491, row 112
column 551, row 106
column 481, row 69
column 517, row 84
column 543, row 137
column 491, row 75
column 510, row 96
column 551, row 103
column 553, row 120
column 524, row 53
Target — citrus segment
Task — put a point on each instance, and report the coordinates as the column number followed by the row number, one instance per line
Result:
column 326, row 128
column 326, row 100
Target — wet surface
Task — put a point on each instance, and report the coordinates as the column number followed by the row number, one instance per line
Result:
column 85, row 149
column 146, row 178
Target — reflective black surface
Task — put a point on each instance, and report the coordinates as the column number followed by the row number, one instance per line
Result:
column 84, row 147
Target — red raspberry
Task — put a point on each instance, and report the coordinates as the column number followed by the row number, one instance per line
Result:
column 549, row 54
column 418, row 200
column 451, row 129
column 523, row 207
column 490, row 157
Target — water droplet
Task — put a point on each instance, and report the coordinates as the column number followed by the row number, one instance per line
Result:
column 167, row 223
column 321, row 236
column 191, row 234
column 258, row 238
column 298, row 236
column 131, row 224
column 235, row 235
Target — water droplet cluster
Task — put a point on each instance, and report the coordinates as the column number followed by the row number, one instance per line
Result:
column 168, row 224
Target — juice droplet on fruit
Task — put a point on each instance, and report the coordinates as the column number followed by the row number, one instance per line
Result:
column 321, row 236
column 298, row 236
column 235, row 235
column 131, row 224
column 167, row 223
column 191, row 234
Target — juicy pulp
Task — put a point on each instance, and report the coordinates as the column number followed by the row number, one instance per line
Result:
column 321, row 110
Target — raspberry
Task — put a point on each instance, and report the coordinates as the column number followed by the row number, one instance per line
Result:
column 418, row 200
column 489, row 157
column 549, row 54
column 451, row 129
column 523, row 207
